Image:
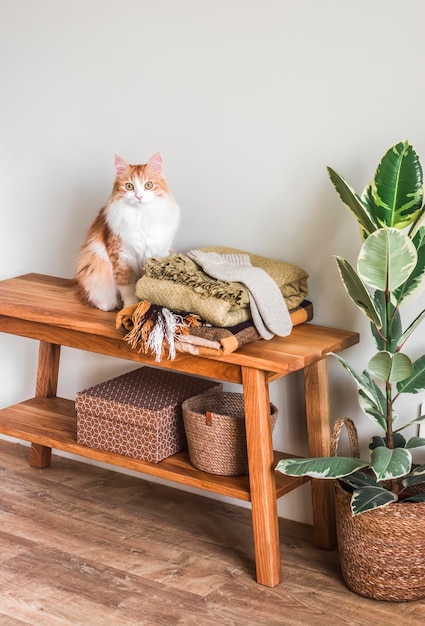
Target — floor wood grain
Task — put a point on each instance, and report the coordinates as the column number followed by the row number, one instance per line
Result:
column 93, row 547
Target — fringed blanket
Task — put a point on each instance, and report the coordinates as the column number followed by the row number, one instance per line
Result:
column 152, row 329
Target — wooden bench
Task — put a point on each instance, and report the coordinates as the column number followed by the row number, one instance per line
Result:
column 47, row 309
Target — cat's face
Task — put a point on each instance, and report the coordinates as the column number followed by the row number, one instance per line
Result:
column 139, row 184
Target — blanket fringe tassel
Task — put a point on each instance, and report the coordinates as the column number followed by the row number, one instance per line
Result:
column 156, row 328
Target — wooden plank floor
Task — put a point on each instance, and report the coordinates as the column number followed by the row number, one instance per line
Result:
column 87, row 546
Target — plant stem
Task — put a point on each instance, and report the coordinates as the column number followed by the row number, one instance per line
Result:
column 394, row 487
column 388, row 386
column 389, row 416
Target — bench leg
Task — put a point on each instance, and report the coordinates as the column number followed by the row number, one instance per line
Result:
column 40, row 456
column 46, row 387
column 319, row 434
column 261, row 477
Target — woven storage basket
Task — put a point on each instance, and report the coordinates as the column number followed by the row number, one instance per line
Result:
column 215, row 429
column 382, row 552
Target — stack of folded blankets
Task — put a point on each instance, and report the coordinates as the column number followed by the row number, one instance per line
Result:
column 211, row 301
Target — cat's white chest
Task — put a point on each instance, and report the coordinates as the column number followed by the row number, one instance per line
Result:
column 144, row 231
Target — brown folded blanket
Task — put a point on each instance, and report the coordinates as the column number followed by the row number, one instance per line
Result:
column 213, row 340
column 153, row 329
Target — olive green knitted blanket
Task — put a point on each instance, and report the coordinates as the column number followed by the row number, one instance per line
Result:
column 179, row 284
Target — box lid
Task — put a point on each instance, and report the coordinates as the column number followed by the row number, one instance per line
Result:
column 141, row 393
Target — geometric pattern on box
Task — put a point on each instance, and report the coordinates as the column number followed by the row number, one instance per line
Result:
column 138, row 414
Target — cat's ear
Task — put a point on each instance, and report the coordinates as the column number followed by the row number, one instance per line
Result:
column 120, row 164
column 155, row 162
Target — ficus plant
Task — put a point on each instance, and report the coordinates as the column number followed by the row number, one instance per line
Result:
column 390, row 272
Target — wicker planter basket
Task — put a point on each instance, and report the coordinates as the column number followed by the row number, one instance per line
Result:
column 215, row 431
column 382, row 552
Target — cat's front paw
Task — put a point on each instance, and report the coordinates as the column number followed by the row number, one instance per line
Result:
column 128, row 294
column 107, row 306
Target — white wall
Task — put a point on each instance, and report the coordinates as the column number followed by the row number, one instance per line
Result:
column 247, row 101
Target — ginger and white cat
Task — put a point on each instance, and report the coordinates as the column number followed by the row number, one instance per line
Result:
column 139, row 221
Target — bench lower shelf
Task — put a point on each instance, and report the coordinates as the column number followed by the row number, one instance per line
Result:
column 51, row 422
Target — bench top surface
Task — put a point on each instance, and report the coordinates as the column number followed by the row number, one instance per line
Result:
column 53, row 301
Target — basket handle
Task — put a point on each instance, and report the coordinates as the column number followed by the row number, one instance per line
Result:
column 352, row 436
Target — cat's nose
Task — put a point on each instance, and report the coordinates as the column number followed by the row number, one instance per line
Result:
column 139, row 198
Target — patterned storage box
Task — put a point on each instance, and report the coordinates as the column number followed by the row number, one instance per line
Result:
column 138, row 414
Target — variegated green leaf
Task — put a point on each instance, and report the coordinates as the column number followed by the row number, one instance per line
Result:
column 390, row 367
column 417, row 224
column 353, row 203
column 398, row 440
column 359, row 479
column 405, row 336
column 416, row 477
column 376, row 441
column 415, row 284
column 357, row 291
column 374, row 411
column 386, row 339
column 397, row 188
column 368, row 498
column 374, row 404
column 386, row 259
column 415, row 442
column 321, row 467
column 388, row 464
column 401, row 368
column 416, row 497
column 415, row 383
column 364, row 382
column 417, row 420
column 367, row 200
column 371, row 399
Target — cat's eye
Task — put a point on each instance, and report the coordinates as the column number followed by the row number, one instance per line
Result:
column 129, row 186
column 148, row 184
